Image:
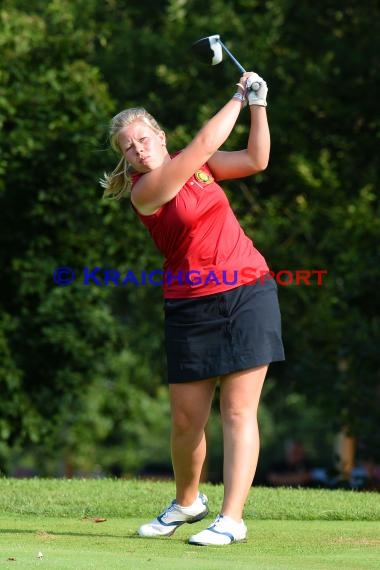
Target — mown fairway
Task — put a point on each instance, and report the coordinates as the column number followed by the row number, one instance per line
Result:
column 288, row 529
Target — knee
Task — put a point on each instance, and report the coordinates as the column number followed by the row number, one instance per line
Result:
column 184, row 423
column 238, row 415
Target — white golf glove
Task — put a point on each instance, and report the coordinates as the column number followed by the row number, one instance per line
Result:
column 257, row 90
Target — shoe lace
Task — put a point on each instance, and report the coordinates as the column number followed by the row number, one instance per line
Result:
column 217, row 521
column 168, row 509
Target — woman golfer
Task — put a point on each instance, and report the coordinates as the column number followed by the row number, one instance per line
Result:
column 219, row 326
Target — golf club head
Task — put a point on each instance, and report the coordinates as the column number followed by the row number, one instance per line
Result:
column 209, row 50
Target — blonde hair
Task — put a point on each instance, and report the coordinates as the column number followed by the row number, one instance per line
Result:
column 118, row 183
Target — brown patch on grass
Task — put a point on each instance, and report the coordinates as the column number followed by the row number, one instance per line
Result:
column 94, row 520
column 43, row 535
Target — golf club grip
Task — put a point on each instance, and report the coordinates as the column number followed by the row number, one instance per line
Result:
column 255, row 86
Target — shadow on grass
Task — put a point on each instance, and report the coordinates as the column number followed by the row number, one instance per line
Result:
column 49, row 536
column 54, row 533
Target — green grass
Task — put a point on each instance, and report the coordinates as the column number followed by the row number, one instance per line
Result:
column 289, row 529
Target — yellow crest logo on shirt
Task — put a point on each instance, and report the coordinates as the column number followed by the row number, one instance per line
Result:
column 203, row 177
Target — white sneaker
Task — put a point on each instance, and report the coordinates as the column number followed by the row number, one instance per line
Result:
column 174, row 516
column 223, row 530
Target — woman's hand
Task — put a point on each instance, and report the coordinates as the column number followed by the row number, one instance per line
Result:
column 254, row 88
column 257, row 90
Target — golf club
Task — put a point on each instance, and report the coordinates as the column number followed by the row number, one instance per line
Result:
column 210, row 50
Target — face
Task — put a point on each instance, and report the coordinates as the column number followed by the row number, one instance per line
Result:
column 143, row 147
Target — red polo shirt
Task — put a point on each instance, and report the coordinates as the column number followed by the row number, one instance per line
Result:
column 204, row 246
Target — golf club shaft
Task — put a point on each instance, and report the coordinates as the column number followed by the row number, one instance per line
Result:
column 255, row 86
column 240, row 67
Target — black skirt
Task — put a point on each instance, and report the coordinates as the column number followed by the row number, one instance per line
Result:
column 210, row 336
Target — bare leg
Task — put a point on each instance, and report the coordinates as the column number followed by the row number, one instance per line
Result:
column 190, row 406
column 239, row 398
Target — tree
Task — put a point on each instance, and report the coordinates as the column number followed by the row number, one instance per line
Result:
column 68, row 67
column 57, row 343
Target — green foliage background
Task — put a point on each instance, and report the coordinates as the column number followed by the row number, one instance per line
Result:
column 82, row 367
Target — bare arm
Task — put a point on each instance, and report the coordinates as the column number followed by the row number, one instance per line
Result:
column 159, row 186
column 253, row 159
